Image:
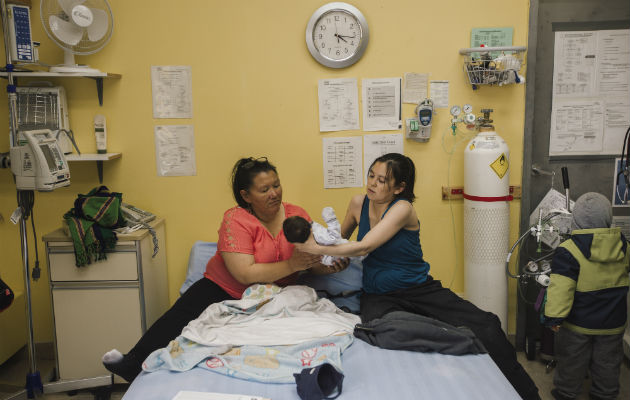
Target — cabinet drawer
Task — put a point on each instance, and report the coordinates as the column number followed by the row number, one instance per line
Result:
column 90, row 322
column 119, row 266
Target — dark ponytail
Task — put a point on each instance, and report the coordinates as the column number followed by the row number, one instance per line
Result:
column 402, row 169
column 243, row 174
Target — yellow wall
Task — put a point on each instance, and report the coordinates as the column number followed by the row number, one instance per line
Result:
column 255, row 93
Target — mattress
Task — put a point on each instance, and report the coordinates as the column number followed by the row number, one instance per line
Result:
column 370, row 373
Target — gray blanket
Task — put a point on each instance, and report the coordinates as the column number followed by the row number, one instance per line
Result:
column 400, row 330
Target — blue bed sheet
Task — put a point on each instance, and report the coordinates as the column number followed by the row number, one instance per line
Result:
column 370, row 373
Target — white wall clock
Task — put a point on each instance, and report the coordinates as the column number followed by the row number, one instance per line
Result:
column 337, row 35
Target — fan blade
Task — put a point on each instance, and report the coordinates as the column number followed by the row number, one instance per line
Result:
column 65, row 31
column 99, row 26
column 67, row 5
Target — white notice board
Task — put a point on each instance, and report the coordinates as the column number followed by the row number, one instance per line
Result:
column 591, row 92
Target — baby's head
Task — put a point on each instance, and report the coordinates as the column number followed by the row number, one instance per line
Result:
column 591, row 210
column 296, row 229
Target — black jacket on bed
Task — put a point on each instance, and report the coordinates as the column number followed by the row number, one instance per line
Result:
column 401, row 330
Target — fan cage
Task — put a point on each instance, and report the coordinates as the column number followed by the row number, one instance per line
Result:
column 85, row 46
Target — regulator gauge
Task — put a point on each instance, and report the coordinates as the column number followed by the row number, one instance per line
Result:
column 467, row 108
column 455, row 111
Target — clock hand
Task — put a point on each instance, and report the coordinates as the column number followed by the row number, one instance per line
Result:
column 340, row 37
column 343, row 36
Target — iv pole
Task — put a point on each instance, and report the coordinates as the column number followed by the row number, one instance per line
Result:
column 33, row 385
column 33, row 379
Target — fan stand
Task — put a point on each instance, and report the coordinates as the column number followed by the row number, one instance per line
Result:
column 70, row 66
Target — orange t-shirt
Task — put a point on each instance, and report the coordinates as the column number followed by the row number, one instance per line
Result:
column 241, row 232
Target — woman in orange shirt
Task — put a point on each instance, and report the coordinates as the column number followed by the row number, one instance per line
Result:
column 251, row 249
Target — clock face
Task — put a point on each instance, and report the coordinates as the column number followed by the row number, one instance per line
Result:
column 337, row 35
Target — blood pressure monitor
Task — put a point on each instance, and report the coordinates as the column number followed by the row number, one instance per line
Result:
column 424, row 110
column 38, row 163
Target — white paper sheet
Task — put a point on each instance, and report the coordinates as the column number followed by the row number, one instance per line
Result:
column 574, row 64
column 190, row 395
column 342, row 162
column 175, row 150
column 613, row 77
column 338, row 104
column 376, row 145
column 381, row 104
column 171, row 87
column 415, row 89
column 577, row 126
column 439, row 94
column 591, row 79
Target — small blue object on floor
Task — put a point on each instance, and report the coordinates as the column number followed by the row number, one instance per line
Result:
column 319, row 382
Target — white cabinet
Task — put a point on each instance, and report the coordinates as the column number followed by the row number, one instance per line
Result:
column 107, row 304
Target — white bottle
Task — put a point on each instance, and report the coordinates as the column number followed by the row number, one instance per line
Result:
column 100, row 131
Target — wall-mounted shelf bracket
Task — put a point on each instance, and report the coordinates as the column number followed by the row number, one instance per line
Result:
column 99, row 158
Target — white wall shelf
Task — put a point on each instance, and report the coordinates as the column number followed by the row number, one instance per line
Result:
column 99, row 158
column 97, row 76
column 93, row 157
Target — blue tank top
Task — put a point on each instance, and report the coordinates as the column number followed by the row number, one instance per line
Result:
column 397, row 263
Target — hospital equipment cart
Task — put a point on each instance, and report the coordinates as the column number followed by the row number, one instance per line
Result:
column 106, row 304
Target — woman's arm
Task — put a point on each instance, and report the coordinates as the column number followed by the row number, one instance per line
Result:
column 353, row 214
column 246, row 271
column 396, row 219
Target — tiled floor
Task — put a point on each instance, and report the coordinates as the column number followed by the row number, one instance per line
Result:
column 13, row 372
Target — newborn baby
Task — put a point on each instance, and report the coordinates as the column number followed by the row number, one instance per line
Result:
column 297, row 230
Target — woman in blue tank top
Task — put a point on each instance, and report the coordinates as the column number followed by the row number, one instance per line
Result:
column 395, row 274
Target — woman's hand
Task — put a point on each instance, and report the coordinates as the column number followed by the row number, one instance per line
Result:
column 310, row 246
column 338, row 265
column 301, row 260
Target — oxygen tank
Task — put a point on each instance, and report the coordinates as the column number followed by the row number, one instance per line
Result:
column 487, row 220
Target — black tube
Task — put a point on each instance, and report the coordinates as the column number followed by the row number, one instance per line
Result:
column 565, row 183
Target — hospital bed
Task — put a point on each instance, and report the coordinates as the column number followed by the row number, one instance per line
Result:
column 370, row 372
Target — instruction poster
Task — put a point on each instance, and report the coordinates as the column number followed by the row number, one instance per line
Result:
column 342, row 162
column 381, row 104
column 171, row 87
column 175, row 150
column 415, row 89
column 591, row 92
column 375, row 146
column 338, row 104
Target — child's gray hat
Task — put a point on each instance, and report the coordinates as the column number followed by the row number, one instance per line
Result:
column 591, row 210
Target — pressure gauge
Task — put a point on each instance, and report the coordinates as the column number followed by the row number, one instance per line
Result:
column 455, row 111
column 467, row 108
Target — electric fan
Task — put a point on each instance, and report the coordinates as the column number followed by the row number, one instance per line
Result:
column 78, row 27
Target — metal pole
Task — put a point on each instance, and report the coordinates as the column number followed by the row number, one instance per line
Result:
column 27, row 286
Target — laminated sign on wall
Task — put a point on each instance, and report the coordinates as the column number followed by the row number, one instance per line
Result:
column 591, row 92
